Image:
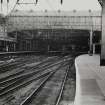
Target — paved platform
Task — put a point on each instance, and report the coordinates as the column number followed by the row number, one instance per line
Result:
column 90, row 81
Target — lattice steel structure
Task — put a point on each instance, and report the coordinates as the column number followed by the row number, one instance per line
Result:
column 54, row 20
column 39, row 30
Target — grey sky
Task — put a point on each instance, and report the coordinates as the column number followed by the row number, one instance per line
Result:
column 55, row 5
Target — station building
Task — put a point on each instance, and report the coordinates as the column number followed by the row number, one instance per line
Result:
column 7, row 43
column 53, row 30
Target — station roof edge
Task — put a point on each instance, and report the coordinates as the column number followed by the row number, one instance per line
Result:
column 55, row 13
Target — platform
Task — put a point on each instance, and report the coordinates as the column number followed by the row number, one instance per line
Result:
column 90, row 81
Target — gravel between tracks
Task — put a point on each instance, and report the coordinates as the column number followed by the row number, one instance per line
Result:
column 19, row 95
column 50, row 91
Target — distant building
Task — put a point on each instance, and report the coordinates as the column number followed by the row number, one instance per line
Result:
column 53, row 30
column 7, row 43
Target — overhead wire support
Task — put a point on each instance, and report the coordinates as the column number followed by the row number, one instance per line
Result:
column 26, row 3
column 1, row 4
column 21, row 3
column 18, row 2
column 7, row 3
column 36, row 1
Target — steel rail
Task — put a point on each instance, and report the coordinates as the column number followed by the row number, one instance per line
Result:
column 29, row 81
column 34, row 67
column 18, row 81
column 24, row 83
column 6, row 67
column 36, row 90
column 39, row 87
column 62, row 88
column 28, row 99
column 18, row 61
column 29, row 74
column 13, row 74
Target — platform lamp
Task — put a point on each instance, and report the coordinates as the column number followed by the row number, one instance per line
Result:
column 7, row 5
column 91, row 35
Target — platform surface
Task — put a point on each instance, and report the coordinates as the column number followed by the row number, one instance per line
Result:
column 90, row 81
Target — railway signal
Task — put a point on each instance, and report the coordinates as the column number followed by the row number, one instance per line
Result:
column 61, row 1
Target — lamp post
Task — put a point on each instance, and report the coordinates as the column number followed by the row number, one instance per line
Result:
column 91, row 35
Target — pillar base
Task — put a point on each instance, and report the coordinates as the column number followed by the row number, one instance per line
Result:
column 90, row 52
column 102, row 62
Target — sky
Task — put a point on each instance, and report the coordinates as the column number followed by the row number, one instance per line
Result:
column 42, row 5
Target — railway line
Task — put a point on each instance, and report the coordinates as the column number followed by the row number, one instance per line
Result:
column 49, row 92
column 34, row 78
column 13, row 64
column 24, row 68
column 25, row 77
column 32, row 70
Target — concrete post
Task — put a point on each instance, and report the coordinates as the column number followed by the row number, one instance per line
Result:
column 91, row 34
column 91, row 43
column 14, row 45
column 48, row 48
column 102, row 58
column 94, row 48
column 63, row 49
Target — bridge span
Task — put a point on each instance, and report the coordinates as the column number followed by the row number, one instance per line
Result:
column 28, row 20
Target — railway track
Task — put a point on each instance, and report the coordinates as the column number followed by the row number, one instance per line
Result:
column 11, row 84
column 26, row 68
column 69, row 89
column 41, row 95
column 62, row 88
column 26, row 77
column 37, row 68
column 13, row 64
